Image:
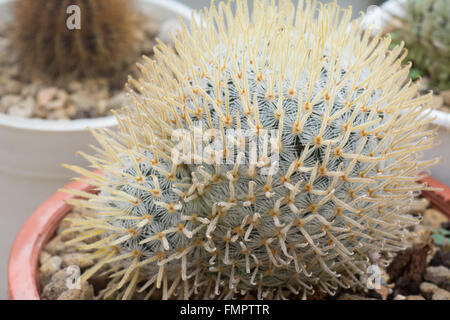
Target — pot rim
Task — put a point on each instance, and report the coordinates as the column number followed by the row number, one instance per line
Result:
column 36, row 124
column 23, row 270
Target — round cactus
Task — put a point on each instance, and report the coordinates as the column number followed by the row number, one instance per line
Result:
column 425, row 29
column 106, row 37
column 265, row 153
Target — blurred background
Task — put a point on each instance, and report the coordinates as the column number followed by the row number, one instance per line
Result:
column 357, row 5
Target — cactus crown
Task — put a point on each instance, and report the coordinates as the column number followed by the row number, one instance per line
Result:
column 108, row 35
column 425, row 30
column 310, row 133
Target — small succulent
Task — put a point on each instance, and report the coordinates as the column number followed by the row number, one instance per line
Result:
column 107, row 36
column 266, row 153
column 425, row 28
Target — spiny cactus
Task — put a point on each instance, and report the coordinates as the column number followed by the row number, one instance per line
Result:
column 425, row 30
column 108, row 35
column 265, row 153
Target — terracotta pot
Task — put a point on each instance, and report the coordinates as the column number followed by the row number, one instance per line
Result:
column 23, row 269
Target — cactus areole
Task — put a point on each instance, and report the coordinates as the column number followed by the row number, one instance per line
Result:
column 270, row 153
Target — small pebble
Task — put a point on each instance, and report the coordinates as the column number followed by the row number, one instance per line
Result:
column 438, row 275
column 9, row 101
column 30, row 90
column 44, row 256
column 433, row 292
column 348, row 296
column 441, row 258
column 74, row 86
column 433, row 218
column 56, row 286
column 50, row 267
column 417, row 297
column 437, row 101
column 428, row 289
column 441, row 294
column 446, row 97
column 46, row 95
column 58, row 102
column 66, row 222
column 81, row 260
column 23, row 109
column 57, row 246
column 83, row 100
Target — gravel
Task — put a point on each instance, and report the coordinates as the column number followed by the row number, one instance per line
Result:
column 433, row 292
column 61, row 264
column 64, row 99
column 438, row 275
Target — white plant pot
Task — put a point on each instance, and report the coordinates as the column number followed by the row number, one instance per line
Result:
column 440, row 171
column 32, row 150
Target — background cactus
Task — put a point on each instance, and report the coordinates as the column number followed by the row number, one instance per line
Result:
column 108, row 36
column 425, row 30
column 338, row 130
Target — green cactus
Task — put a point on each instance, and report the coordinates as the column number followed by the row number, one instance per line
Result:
column 425, row 30
column 264, row 154
column 108, row 36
